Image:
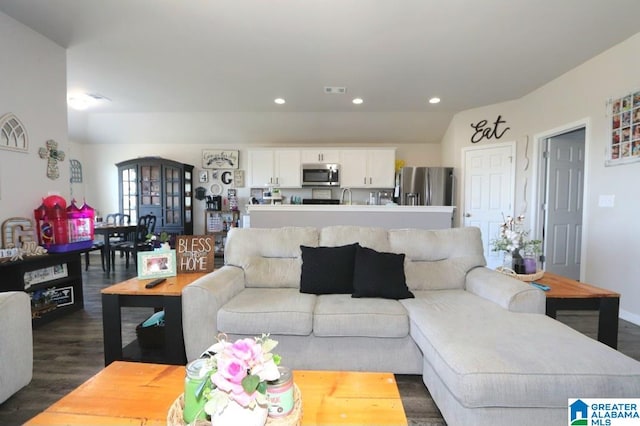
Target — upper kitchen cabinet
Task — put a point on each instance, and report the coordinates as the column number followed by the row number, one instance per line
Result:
column 367, row 168
column 315, row 155
column 274, row 167
column 164, row 188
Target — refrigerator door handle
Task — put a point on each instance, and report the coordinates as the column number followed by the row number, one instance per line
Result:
column 427, row 202
column 453, row 189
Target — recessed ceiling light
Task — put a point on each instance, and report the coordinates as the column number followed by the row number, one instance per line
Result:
column 357, row 101
column 279, row 101
column 434, row 100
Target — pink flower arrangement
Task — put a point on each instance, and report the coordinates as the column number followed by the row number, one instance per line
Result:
column 240, row 371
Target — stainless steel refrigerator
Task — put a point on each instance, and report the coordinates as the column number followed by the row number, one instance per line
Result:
column 425, row 186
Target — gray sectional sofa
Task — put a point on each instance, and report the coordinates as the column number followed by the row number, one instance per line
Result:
column 480, row 339
column 16, row 343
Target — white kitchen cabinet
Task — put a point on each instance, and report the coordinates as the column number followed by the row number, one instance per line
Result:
column 317, row 155
column 274, row 167
column 367, row 168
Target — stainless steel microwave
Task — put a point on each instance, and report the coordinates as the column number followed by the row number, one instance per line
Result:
column 320, row 175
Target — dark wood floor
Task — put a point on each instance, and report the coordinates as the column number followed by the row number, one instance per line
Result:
column 69, row 350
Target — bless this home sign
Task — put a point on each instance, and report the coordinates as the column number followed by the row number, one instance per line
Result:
column 195, row 253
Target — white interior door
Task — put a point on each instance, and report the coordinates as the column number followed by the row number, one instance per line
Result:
column 563, row 204
column 489, row 173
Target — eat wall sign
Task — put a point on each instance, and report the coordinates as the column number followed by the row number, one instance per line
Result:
column 485, row 131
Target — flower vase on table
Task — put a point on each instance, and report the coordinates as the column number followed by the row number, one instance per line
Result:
column 232, row 380
column 234, row 414
column 519, row 251
column 517, row 262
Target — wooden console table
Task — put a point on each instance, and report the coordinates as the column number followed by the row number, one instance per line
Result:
column 36, row 274
column 569, row 294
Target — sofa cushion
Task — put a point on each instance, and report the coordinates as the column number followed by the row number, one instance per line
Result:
column 268, row 310
column 378, row 274
column 327, row 270
column 491, row 357
column 338, row 315
column 269, row 257
column 375, row 238
column 438, row 259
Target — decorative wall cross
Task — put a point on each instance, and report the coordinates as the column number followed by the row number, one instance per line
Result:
column 53, row 155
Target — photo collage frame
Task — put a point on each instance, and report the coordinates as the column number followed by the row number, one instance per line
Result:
column 625, row 130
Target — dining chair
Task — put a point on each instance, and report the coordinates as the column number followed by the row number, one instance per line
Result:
column 97, row 245
column 152, row 224
column 134, row 242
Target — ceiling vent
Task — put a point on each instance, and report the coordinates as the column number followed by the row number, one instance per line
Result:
column 335, row 90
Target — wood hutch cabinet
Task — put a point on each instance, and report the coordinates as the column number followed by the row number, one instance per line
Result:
column 164, row 188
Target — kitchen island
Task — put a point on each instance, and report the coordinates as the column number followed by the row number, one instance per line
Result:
column 388, row 217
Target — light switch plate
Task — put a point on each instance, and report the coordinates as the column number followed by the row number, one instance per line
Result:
column 606, row 200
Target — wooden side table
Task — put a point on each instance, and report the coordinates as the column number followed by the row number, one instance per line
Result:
column 569, row 294
column 132, row 292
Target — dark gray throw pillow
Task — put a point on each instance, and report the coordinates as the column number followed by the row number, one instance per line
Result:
column 379, row 274
column 327, row 270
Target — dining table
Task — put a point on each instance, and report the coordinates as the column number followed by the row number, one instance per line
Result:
column 108, row 230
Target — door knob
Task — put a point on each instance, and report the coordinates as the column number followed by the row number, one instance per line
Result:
column 467, row 215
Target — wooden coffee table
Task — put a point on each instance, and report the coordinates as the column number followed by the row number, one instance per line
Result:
column 126, row 393
column 569, row 294
column 167, row 296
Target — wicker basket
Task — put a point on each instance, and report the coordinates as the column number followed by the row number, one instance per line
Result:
column 294, row 418
column 521, row 277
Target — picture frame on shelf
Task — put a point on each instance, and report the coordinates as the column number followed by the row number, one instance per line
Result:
column 220, row 159
column 157, row 264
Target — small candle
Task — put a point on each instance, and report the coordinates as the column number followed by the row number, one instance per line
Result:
column 529, row 265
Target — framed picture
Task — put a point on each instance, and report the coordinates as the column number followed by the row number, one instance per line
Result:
column 219, row 159
column 204, row 176
column 624, row 130
column 238, row 178
column 156, row 264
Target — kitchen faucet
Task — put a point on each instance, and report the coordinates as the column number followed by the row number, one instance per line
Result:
column 344, row 190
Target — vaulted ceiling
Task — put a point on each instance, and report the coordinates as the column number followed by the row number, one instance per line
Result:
column 229, row 59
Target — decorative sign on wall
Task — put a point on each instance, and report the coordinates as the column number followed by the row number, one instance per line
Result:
column 625, row 130
column 195, row 253
column 75, row 168
column 13, row 134
column 238, row 178
column 52, row 155
column 482, row 131
column 219, row 159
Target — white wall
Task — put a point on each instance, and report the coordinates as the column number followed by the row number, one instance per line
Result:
column 611, row 236
column 33, row 87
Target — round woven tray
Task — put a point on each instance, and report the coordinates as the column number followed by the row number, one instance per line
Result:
column 294, row 418
column 521, row 277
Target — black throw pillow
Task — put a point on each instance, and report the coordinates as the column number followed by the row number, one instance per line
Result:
column 378, row 274
column 327, row 270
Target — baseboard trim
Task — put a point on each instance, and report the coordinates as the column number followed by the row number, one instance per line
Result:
column 628, row 316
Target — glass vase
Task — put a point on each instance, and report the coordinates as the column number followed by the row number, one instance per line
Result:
column 517, row 262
